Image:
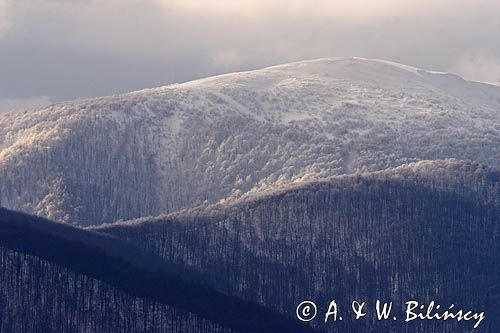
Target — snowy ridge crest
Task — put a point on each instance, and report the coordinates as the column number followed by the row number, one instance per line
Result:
column 180, row 146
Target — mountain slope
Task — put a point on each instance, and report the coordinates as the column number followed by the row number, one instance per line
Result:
column 179, row 146
column 425, row 231
column 60, row 279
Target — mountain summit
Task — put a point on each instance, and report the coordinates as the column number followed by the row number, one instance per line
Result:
column 164, row 149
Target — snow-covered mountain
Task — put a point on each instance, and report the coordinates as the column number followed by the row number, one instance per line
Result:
column 164, row 149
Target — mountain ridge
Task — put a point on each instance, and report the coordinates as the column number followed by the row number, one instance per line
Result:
column 420, row 232
column 105, row 259
column 480, row 183
column 179, row 146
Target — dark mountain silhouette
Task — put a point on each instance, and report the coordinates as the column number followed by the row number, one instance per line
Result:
column 425, row 232
column 56, row 278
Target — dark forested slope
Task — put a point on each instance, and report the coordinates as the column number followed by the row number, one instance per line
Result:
column 427, row 232
column 54, row 278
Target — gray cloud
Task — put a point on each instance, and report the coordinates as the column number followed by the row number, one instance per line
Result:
column 82, row 48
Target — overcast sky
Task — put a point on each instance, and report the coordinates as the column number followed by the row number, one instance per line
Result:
column 53, row 50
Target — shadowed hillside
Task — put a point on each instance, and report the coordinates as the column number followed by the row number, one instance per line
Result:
column 425, row 232
column 55, row 278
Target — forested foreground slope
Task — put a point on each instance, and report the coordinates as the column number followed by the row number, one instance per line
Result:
column 164, row 149
column 54, row 278
column 427, row 231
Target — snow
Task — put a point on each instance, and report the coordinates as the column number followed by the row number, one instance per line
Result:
column 168, row 148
